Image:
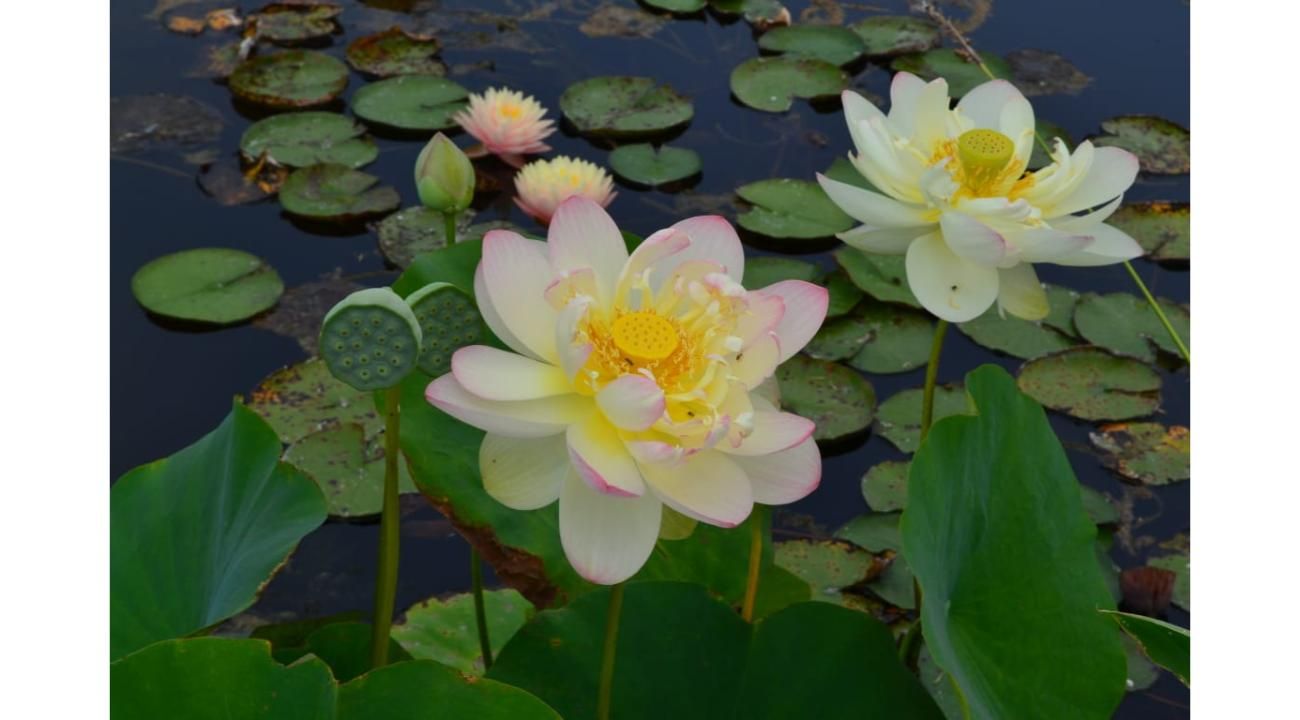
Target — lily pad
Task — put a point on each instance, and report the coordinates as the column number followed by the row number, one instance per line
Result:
column 1099, row 507
column 411, row 102
column 1162, row 146
column 620, row 21
column 308, row 138
column 305, row 398
column 889, row 35
column 290, row 79
column 624, row 106
column 143, row 122
column 336, row 193
column 1169, row 646
column 785, row 208
column 843, row 295
column 395, row 52
column 220, row 286
column 829, row 43
column 899, row 417
column 899, row 339
column 1148, row 453
column 647, row 165
column 446, row 630
column 1023, row 338
column 844, row 171
column 840, row 401
column 1039, row 72
column 417, row 230
column 1180, row 565
column 1048, row 131
column 885, row 485
column 678, row 6
column 1126, row 324
column 344, row 646
column 1092, row 384
column 883, row 277
column 348, row 469
column 1163, row 229
column 295, row 22
column 962, row 75
column 828, row 566
column 769, row 269
column 878, row 533
column 228, row 182
column 772, row 83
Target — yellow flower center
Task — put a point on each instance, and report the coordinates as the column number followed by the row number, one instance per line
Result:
column 511, row 110
column 645, row 336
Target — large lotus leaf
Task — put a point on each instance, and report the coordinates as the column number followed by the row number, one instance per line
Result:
column 624, row 106
column 772, row 83
column 291, row 79
column 336, row 193
column 1092, row 384
column 1161, row 146
column 839, row 400
column 446, row 630
column 210, row 285
column 411, row 102
column 961, row 74
column 1126, row 324
column 1169, row 646
column 426, row 689
column 308, row 138
column 344, row 646
column 996, row 535
column 888, row 35
column 809, row 660
column 785, row 208
column 1163, row 229
column 830, row 43
column 195, row 537
column 645, row 164
column 1023, row 338
column 883, row 277
column 395, row 52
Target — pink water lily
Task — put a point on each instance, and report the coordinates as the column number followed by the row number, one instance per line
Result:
column 508, row 123
column 629, row 388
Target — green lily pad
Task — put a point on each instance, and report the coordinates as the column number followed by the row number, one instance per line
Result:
column 220, row 286
column 293, row 23
column 885, row 485
column 899, row 417
column 1038, row 72
column 1163, row 229
column 344, row 646
column 1149, row 453
column 839, row 338
column 899, row 341
column 996, row 535
column 1169, row 646
column 411, row 102
column 1126, row 324
column 1099, row 508
column 1142, row 673
column 417, row 230
column 772, row 83
column 446, row 630
column 1048, row 131
column 1179, row 564
column 840, row 401
column 426, row 689
column 290, row 79
column 678, row 6
column 828, row 566
column 785, row 208
column 1162, row 146
column 1092, row 384
column 889, row 35
column 844, row 171
column 1024, row 338
column 647, row 165
column 395, row 52
column 962, row 76
column 829, row 43
column 349, row 469
column 883, row 277
column 842, row 294
column 878, row 532
column 305, row 398
column 196, row 536
column 307, row 138
column 624, row 106
column 769, row 269
column 336, row 193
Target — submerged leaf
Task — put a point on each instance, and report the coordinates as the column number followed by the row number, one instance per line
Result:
column 1039, row 72
column 143, row 122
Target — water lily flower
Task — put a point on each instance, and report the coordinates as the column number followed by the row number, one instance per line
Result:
column 508, row 123
column 629, row 388
column 543, row 184
column 952, row 195
column 444, row 176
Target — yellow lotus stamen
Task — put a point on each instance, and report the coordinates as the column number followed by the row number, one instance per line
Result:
column 645, row 336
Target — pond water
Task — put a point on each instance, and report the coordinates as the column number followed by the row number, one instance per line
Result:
column 171, row 385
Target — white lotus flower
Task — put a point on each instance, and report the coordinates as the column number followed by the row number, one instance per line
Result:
column 954, row 197
column 629, row 387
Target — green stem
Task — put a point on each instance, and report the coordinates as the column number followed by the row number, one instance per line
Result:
column 480, row 609
column 449, row 224
column 756, row 523
column 606, row 691
column 1160, row 313
column 931, row 375
column 389, row 538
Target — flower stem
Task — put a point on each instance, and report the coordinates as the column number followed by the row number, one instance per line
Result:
column 605, row 695
column 756, row 522
column 449, row 223
column 931, row 375
column 1160, row 313
column 389, row 537
column 480, row 609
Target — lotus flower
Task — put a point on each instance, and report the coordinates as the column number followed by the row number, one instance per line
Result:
column 952, row 195
column 543, row 184
column 508, row 123
column 629, row 388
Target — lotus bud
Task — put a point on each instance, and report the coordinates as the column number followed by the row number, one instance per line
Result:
column 444, row 176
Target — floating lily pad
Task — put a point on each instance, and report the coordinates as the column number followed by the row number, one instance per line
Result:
column 678, row 6
column 143, row 122
column 899, row 417
column 417, row 230
column 885, row 485
column 830, row 43
column 883, row 277
column 888, row 35
column 834, row 397
column 791, row 209
column 962, row 76
column 768, row 269
column 1180, row 565
column 899, row 339
column 344, row 646
column 1099, row 507
column 446, row 631
column 1162, row 147
column 1092, row 384
column 1038, row 72
column 843, row 171
column 839, row 339
column 411, row 102
column 878, row 532
column 1163, row 229
column 772, row 83
column 620, row 21
column 348, row 469
column 1023, row 338
column 843, row 294
column 308, row 138
column 395, row 52
column 211, row 285
column 336, row 193
column 1048, row 132
column 230, row 184
column 305, row 398
column 1148, row 453
column 647, row 165
column 761, row 14
column 624, row 106
column 290, row 79
column 826, row 565
column 294, row 23
column 1126, row 324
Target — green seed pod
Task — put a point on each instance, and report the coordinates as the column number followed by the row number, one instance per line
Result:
column 370, row 340
column 449, row 320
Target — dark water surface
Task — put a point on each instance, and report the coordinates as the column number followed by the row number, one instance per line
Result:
column 171, row 386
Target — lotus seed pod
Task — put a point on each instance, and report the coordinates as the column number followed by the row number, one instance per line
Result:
column 370, row 340
column 449, row 320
